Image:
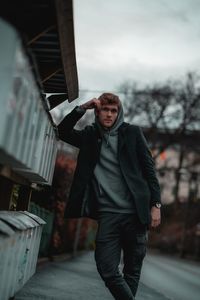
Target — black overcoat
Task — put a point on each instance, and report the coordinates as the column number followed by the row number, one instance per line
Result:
column 135, row 160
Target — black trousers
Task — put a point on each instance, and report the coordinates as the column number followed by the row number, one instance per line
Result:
column 116, row 233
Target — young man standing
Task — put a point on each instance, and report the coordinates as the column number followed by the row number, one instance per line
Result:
column 116, row 184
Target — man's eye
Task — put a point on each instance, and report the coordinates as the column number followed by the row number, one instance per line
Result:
column 113, row 111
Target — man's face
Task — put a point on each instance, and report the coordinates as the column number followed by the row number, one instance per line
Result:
column 107, row 114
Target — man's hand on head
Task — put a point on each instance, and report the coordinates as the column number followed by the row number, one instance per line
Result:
column 91, row 104
column 155, row 217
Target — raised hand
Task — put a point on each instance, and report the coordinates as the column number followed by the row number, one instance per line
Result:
column 91, row 104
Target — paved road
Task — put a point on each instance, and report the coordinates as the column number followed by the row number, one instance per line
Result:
column 176, row 278
column 75, row 279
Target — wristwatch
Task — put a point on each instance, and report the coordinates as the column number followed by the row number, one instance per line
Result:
column 158, row 205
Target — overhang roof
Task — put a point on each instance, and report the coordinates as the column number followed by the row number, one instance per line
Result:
column 46, row 27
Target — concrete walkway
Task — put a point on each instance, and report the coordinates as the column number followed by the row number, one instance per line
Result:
column 74, row 279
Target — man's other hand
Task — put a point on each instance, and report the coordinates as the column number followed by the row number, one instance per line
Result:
column 155, row 217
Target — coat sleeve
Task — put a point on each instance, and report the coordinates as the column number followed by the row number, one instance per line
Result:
column 66, row 130
column 148, row 167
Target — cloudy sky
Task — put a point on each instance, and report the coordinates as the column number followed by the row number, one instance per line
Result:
column 140, row 40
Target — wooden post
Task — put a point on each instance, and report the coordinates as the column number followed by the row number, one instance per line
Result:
column 6, row 187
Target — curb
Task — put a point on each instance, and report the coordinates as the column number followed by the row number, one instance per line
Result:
column 57, row 258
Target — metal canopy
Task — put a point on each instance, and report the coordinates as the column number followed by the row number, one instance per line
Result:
column 46, row 27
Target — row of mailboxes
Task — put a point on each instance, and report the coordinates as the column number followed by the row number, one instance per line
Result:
column 27, row 134
column 20, row 234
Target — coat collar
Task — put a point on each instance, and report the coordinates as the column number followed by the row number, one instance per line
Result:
column 121, row 139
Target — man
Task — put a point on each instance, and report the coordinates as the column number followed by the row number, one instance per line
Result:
column 115, row 183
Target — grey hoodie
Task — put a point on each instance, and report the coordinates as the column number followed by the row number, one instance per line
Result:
column 111, row 189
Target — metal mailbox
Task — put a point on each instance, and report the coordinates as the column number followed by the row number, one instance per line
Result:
column 28, row 141
column 20, row 234
column 6, row 239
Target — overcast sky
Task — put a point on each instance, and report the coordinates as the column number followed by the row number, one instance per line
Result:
column 141, row 40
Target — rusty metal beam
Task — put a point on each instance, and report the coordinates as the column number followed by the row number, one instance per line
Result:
column 48, row 70
column 40, row 34
column 51, row 74
column 64, row 10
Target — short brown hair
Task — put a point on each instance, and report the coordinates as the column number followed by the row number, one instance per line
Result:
column 109, row 98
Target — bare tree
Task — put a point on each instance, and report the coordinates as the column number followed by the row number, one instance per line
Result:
column 170, row 115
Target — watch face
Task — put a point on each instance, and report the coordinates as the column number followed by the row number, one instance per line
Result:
column 158, row 205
